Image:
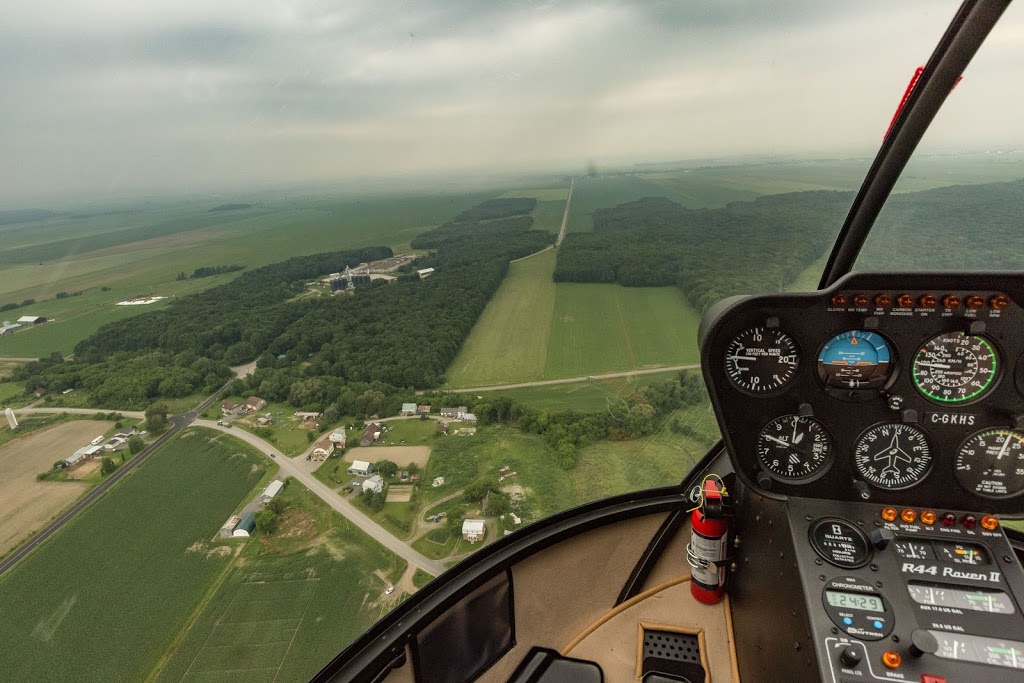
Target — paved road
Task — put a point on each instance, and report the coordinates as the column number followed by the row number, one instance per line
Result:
column 569, row 380
column 342, row 506
column 565, row 216
column 178, row 422
column 137, row 414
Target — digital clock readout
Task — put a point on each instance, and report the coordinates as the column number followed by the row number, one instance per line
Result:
column 867, row 603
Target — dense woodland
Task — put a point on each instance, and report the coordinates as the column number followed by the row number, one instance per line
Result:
column 363, row 350
column 761, row 246
column 745, row 247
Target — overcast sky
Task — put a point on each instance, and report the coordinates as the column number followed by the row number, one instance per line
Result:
column 141, row 95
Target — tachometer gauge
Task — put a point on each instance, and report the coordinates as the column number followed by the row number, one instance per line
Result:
column 893, row 455
column 991, row 463
column 955, row 367
column 761, row 360
column 794, row 448
column 855, row 360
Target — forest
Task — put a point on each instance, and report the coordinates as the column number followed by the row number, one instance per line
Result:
column 364, row 351
column 762, row 245
column 746, row 247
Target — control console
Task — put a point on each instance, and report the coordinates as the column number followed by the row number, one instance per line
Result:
column 908, row 594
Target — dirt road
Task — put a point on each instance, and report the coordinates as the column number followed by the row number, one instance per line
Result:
column 565, row 216
column 569, row 380
column 339, row 504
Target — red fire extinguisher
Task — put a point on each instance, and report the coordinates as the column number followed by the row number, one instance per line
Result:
column 709, row 542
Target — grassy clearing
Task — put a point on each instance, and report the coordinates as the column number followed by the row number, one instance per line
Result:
column 607, row 328
column 509, row 341
column 807, row 281
column 141, row 560
column 589, row 396
column 437, row 544
column 12, row 395
column 290, row 602
column 409, row 433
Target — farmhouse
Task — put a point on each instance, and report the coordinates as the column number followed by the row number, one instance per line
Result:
column 116, row 443
column 273, row 488
column 423, row 410
column 31, row 320
column 323, row 448
column 246, row 526
column 229, row 526
column 425, row 273
column 254, row 403
column 127, row 432
column 408, row 409
column 338, row 437
column 457, row 413
column 468, row 418
column 360, row 468
column 371, row 434
column 473, row 530
column 374, row 483
column 231, row 408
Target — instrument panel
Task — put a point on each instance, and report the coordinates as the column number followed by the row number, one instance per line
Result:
column 907, row 388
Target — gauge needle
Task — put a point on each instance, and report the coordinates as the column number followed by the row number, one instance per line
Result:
column 1002, row 451
column 741, row 357
column 941, row 366
column 777, row 440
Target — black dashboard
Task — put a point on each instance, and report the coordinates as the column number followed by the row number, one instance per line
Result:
column 902, row 388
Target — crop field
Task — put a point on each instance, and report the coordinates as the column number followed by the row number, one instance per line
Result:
column 509, row 343
column 102, row 600
column 141, row 251
column 290, row 602
column 26, row 505
column 606, row 328
column 545, row 194
column 535, row 329
column 548, row 215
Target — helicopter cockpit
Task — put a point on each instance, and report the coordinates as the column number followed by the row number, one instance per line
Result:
column 848, row 527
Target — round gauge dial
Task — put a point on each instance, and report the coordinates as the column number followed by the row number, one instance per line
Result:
column 761, row 360
column 893, row 455
column 794, row 448
column 855, row 360
column 991, row 463
column 955, row 367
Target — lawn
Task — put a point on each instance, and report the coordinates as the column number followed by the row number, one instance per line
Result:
column 140, row 561
column 598, row 328
column 408, row 433
column 290, row 602
column 8, row 392
column 509, row 342
column 437, row 544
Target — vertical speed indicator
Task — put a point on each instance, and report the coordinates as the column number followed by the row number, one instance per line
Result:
column 761, row 361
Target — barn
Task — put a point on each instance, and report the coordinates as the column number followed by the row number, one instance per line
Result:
column 245, row 527
column 273, row 488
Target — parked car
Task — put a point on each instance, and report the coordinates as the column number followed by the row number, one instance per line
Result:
column 390, row 590
column 222, row 423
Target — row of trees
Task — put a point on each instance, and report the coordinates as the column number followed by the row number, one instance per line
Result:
column 208, row 271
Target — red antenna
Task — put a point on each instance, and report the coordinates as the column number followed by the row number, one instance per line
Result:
column 906, row 96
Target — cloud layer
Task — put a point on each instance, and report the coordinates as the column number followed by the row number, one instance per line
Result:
column 117, row 95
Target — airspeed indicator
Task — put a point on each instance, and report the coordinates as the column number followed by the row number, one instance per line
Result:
column 955, row 367
column 761, row 361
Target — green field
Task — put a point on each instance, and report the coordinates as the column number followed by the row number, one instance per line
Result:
column 510, row 340
column 548, row 215
column 102, row 600
column 290, row 602
column 534, row 329
column 609, row 328
column 412, row 432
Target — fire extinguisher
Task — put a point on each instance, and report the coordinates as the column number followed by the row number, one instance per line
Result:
column 707, row 551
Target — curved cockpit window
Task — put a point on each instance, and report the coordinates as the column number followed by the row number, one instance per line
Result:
column 437, row 268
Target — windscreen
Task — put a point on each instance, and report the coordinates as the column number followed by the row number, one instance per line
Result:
column 958, row 204
column 305, row 303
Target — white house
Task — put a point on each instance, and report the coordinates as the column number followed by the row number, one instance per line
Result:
column 273, row 488
column 374, row 483
column 468, row 418
column 338, row 437
column 473, row 530
column 322, row 449
column 360, row 468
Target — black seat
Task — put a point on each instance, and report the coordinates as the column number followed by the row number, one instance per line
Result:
column 541, row 665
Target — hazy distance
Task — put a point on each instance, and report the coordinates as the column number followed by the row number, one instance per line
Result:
column 113, row 97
